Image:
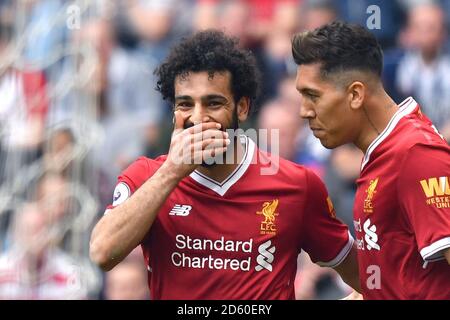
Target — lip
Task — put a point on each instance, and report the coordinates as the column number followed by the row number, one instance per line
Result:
column 317, row 132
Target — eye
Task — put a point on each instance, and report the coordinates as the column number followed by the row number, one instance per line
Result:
column 311, row 97
column 214, row 103
column 183, row 105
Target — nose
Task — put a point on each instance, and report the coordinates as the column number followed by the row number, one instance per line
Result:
column 306, row 112
column 199, row 114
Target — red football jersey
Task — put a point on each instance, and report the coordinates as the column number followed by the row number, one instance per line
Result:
column 238, row 239
column 402, row 210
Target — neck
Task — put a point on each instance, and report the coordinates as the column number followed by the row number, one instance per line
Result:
column 220, row 172
column 377, row 112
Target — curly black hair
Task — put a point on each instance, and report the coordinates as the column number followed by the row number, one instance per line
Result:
column 339, row 46
column 210, row 51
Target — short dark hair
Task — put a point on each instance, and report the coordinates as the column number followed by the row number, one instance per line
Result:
column 210, row 51
column 339, row 46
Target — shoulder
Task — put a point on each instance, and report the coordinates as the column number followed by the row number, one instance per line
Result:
column 144, row 163
column 416, row 136
column 141, row 169
column 426, row 156
column 424, row 160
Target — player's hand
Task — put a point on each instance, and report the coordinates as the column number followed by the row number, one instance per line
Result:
column 191, row 147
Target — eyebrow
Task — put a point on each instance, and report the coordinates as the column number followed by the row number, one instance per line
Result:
column 214, row 96
column 203, row 98
column 308, row 90
column 183, row 98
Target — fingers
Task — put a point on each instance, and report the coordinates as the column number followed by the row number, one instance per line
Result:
column 189, row 152
column 197, row 144
column 209, row 154
column 210, row 143
column 208, row 134
column 178, row 122
column 179, row 125
column 193, row 145
column 203, row 127
column 190, row 137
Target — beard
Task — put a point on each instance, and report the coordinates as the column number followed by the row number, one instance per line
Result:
column 234, row 125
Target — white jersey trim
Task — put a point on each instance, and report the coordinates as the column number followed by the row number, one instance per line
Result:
column 435, row 251
column 405, row 108
column 222, row 188
column 341, row 255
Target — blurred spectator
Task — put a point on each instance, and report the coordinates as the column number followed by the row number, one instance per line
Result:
column 24, row 108
column 129, row 109
column 159, row 20
column 446, row 8
column 278, row 41
column 265, row 27
column 147, row 28
column 23, row 111
column 317, row 13
column 233, row 19
column 52, row 194
column 276, row 55
column 44, row 36
column 288, row 94
column 424, row 71
column 297, row 143
column 313, row 282
column 59, row 151
column 128, row 280
column 205, row 15
column 280, row 114
column 152, row 19
column 277, row 116
column 391, row 17
column 342, row 170
column 267, row 13
column 310, row 152
column 34, row 268
column 24, row 101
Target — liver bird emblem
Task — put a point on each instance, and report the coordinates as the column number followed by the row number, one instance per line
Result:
column 268, row 210
column 371, row 189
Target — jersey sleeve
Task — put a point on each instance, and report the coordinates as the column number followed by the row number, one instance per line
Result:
column 131, row 179
column 325, row 238
column 424, row 193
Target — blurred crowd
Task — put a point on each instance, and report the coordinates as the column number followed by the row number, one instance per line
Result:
column 78, row 104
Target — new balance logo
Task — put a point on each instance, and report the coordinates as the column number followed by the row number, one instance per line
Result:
column 265, row 257
column 180, row 210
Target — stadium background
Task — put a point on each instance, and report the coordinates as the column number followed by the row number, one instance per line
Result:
column 77, row 105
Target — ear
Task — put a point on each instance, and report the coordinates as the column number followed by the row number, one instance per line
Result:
column 356, row 94
column 243, row 108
